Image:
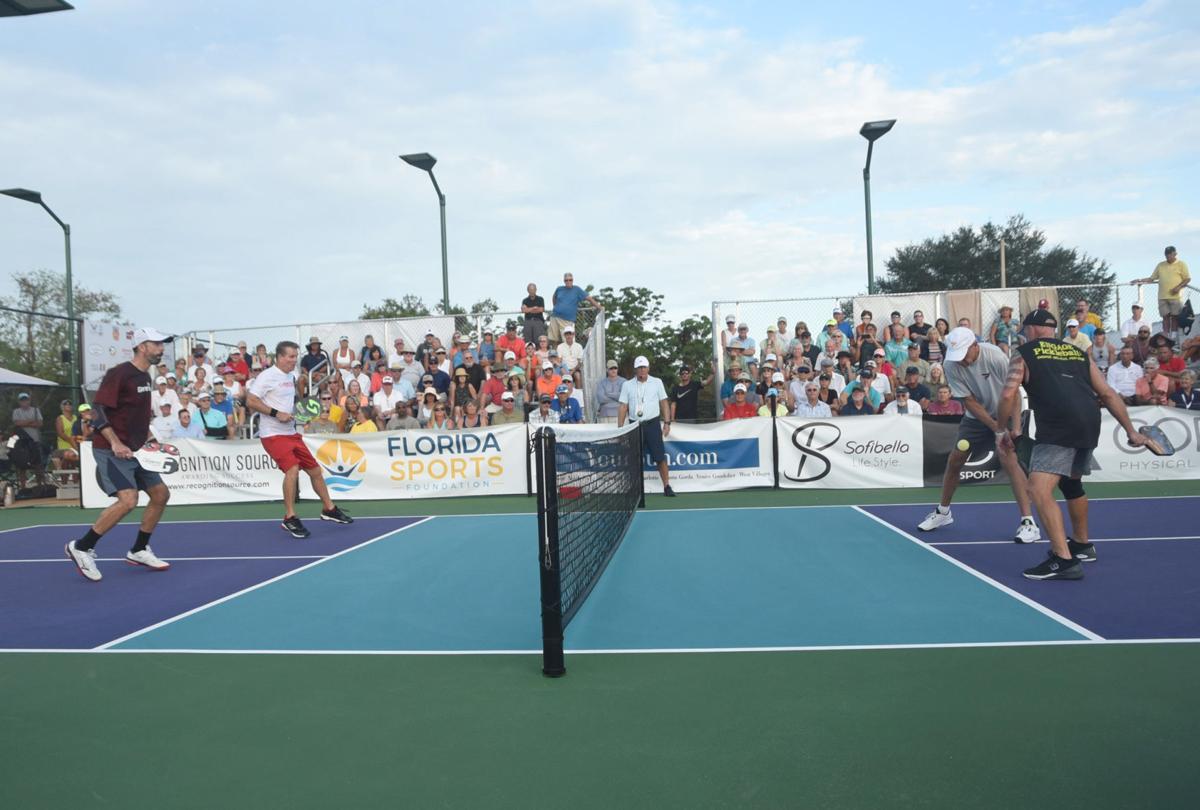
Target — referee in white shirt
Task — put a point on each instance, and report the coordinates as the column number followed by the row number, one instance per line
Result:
column 644, row 400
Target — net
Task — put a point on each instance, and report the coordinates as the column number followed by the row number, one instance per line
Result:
column 589, row 486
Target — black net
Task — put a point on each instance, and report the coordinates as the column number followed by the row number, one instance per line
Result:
column 590, row 485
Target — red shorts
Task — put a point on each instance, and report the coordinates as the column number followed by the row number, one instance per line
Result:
column 288, row 451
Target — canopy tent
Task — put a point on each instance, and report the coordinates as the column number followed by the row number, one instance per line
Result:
column 17, row 378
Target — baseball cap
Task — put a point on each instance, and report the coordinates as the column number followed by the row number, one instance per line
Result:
column 204, row 395
column 570, row 329
column 510, row 355
column 685, row 368
column 166, row 403
column 770, row 358
column 23, row 395
column 510, row 325
column 901, row 389
column 611, row 364
column 641, row 362
column 489, row 332
column 743, row 326
column 803, row 368
column 772, row 329
column 344, row 337
column 507, row 395
column 777, row 377
column 150, row 333
column 866, row 372
column 440, row 350
column 914, row 347
column 912, row 370
column 838, row 311
column 1138, row 306
column 545, row 398
column 408, row 351
column 562, row 389
column 160, row 380
column 547, row 364
column 171, row 375
column 879, row 353
column 831, row 322
column 730, row 319
column 356, row 363
column 870, row 364
column 388, row 380
column 1072, row 322
column 1040, row 317
column 739, row 387
column 84, row 407
column 958, row 342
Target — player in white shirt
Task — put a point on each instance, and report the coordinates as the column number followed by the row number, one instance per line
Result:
column 273, row 395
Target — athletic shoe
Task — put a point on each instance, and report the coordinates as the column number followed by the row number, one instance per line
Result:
column 336, row 515
column 935, row 519
column 1084, row 552
column 85, row 561
column 1056, row 568
column 147, row 558
column 295, row 527
column 1027, row 532
column 670, row 493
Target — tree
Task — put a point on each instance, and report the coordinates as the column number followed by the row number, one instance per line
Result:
column 34, row 344
column 409, row 306
column 968, row 259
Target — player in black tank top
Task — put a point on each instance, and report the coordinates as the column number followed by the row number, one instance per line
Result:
column 1065, row 391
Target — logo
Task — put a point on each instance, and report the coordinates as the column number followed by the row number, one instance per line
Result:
column 811, row 440
column 723, row 454
column 159, row 458
column 344, row 463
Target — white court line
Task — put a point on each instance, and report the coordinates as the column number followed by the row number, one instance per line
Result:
column 650, row 511
column 181, row 559
column 262, row 584
column 951, row 645
column 1093, row 540
column 1020, row 597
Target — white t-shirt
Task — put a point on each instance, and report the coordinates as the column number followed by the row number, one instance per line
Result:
column 157, row 399
column 387, row 402
column 277, row 390
column 163, row 427
column 881, row 384
column 914, row 409
column 643, row 397
column 571, row 354
column 1130, row 327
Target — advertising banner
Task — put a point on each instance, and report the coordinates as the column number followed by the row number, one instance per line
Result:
column 717, row 456
column 940, row 433
column 110, row 344
column 400, row 464
column 851, row 452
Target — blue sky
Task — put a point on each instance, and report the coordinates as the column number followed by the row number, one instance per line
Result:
column 205, row 152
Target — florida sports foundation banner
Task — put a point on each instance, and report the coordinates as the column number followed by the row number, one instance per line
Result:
column 372, row 466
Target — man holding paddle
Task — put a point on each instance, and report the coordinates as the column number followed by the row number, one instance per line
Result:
column 1063, row 386
column 273, row 394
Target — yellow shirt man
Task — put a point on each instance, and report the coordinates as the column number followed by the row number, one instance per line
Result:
column 1170, row 275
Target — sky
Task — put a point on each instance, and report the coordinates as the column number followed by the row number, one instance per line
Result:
column 228, row 164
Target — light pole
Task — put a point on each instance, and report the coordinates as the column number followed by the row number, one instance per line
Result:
column 425, row 162
column 36, row 197
column 872, row 131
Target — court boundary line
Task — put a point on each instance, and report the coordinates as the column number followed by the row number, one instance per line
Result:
column 1020, row 597
column 1092, row 540
column 1078, row 642
column 644, row 511
column 256, row 586
column 178, row 559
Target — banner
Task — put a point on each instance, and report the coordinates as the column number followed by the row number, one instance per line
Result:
column 939, row 435
column 371, row 466
column 106, row 345
column 716, row 456
column 1115, row 460
column 853, row 452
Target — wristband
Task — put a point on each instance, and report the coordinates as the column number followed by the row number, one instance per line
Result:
column 274, row 414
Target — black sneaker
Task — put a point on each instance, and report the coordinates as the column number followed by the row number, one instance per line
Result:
column 670, row 493
column 295, row 528
column 1084, row 552
column 336, row 515
column 1056, row 568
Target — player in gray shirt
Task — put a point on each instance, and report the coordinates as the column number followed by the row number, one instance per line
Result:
column 976, row 373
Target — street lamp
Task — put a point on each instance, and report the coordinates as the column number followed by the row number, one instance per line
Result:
column 425, row 162
column 36, row 197
column 872, row 131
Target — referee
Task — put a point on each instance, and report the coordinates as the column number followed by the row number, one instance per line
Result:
column 121, row 421
column 1063, row 387
column 644, row 400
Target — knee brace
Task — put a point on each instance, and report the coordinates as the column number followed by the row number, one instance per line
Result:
column 1071, row 488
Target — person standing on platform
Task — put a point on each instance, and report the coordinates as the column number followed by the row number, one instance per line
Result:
column 644, row 400
column 1172, row 276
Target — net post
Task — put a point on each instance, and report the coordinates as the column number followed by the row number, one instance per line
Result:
column 775, row 445
column 640, row 470
column 553, row 665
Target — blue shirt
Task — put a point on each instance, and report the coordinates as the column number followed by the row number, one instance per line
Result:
column 570, row 413
column 873, row 396
column 897, row 353
column 487, row 350
column 567, row 301
column 845, row 328
column 441, row 381
column 225, row 407
column 194, row 430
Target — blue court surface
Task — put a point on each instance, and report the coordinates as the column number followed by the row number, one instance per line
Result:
column 702, row 579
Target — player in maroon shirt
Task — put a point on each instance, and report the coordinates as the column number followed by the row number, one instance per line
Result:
column 121, row 422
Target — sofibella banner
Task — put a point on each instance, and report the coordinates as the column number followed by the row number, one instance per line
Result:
column 838, row 453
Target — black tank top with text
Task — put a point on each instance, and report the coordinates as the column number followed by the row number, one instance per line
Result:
column 1060, row 393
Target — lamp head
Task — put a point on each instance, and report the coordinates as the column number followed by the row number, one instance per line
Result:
column 422, row 160
column 23, row 194
column 874, row 130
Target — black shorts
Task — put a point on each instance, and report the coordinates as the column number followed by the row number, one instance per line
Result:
column 977, row 433
column 652, row 440
column 115, row 474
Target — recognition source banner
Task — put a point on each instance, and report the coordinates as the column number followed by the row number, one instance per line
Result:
column 373, row 466
column 723, row 455
column 851, row 452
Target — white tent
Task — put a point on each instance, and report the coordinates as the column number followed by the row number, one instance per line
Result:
column 17, row 378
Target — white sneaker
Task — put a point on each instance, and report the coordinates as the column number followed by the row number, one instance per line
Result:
column 935, row 519
column 85, row 561
column 1027, row 532
column 146, row 557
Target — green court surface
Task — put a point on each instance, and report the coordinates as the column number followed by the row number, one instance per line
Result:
column 1077, row 724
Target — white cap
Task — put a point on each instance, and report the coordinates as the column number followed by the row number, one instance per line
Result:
column 150, row 333
column 641, row 362
column 160, row 380
column 739, row 387
column 510, row 356
column 730, row 319
column 547, row 364
column 811, row 384
column 770, row 356
column 777, row 377
column 507, row 395
column 958, row 341
column 356, row 363
column 204, row 395
column 171, row 375
column 566, row 329
column 1072, row 322
column 345, row 338
column 387, row 380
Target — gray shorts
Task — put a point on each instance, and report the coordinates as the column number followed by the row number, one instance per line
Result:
column 1072, row 462
column 1166, row 307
